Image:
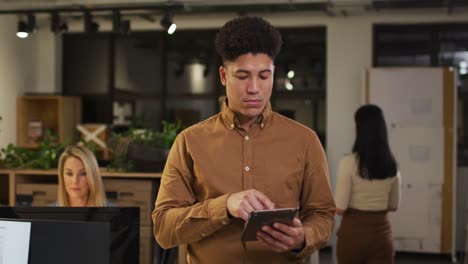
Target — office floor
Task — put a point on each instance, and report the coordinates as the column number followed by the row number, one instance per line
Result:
column 325, row 257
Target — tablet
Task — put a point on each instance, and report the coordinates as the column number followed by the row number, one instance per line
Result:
column 259, row 218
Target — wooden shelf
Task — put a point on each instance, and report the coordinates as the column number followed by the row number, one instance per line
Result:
column 59, row 114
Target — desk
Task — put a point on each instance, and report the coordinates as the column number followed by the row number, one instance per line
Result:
column 10, row 178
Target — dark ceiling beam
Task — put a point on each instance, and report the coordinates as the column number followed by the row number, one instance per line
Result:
column 79, row 8
column 182, row 8
column 408, row 4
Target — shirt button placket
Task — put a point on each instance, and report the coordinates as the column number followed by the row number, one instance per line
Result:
column 248, row 162
column 247, row 168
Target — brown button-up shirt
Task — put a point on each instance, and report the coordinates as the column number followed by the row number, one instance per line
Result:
column 214, row 158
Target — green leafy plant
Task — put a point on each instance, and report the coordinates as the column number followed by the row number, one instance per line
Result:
column 163, row 139
column 93, row 147
column 119, row 143
column 45, row 157
column 15, row 157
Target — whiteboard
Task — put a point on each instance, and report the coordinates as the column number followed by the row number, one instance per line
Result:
column 412, row 100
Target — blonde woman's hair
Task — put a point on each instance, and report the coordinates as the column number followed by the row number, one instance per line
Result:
column 96, row 195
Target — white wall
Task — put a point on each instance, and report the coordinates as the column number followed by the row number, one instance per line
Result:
column 48, row 68
column 17, row 74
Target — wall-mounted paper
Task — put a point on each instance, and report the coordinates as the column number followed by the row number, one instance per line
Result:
column 409, row 97
column 419, row 153
column 421, row 106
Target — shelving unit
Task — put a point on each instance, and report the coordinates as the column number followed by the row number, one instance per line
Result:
column 59, row 114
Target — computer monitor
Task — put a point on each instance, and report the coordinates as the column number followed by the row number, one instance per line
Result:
column 80, row 234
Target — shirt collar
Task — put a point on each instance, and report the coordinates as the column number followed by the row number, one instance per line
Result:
column 230, row 117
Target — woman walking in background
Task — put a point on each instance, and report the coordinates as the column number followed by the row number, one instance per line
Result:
column 367, row 187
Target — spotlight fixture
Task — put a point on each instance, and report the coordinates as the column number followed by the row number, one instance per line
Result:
column 57, row 25
column 463, row 67
column 116, row 21
column 168, row 23
column 119, row 25
column 89, row 25
column 22, row 30
column 125, row 27
column 31, row 23
column 288, row 85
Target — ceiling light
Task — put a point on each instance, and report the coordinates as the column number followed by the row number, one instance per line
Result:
column 168, row 24
column 463, row 64
column 89, row 25
column 118, row 25
column 24, row 28
column 22, row 31
column 172, row 29
column 290, row 74
column 57, row 25
column 125, row 27
column 288, row 85
column 463, row 67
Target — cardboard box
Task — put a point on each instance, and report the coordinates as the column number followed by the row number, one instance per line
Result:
column 133, row 193
column 39, row 194
column 98, row 134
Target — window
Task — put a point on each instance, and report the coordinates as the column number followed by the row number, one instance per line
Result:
column 150, row 76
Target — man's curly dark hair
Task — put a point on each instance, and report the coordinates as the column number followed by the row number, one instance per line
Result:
column 247, row 34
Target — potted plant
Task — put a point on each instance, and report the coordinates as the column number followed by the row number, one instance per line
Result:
column 45, row 157
column 143, row 150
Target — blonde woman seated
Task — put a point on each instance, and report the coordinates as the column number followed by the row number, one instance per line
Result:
column 79, row 179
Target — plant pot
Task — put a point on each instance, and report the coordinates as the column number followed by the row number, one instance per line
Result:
column 147, row 158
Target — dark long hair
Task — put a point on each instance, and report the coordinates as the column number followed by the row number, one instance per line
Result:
column 376, row 161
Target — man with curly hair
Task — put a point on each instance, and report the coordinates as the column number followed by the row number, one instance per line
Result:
column 243, row 159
